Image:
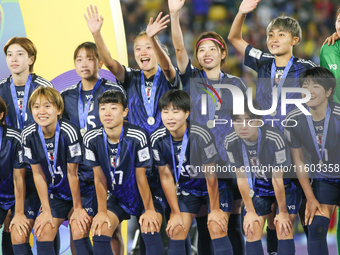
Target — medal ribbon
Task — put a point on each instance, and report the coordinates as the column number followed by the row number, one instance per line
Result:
column 251, row 181
column 117, row 155
column 21, row 118
column 56, row 142
column 177, row 172
column 211, row 103
column 324, row 135
column 83, row 113
column 149, row 107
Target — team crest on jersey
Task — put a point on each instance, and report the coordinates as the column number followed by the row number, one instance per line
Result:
column 20, row 103
column 91, row 106
column 178, row 155
column 319, row 138
column 254, row 161
column 51, row 155
column 113, row 160
column 278, row 76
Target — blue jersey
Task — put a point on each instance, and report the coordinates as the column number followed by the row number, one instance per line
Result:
column 137, row 112
column 10, row 157
column 200, row 150
column 135, row 152
column 191, row 80
column 5, row 93
column 300, row 135
column 262, row 64
column 274, row 153
column 71, row 99
column 69, row 151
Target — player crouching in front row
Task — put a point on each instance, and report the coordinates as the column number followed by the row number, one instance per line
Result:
column 178, row 147
column 253, row 146
column 119, row 153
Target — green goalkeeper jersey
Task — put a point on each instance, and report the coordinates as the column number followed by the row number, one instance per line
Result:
column 330, row 59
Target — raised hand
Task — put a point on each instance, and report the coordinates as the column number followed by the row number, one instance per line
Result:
column 248, row 6
column 93, row 21
column 154, row 28
column 175, row 5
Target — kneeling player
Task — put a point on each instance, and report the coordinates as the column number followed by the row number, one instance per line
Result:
column 319, row 134
column 252, row 148
column 53, row 149
column 176, row 156
column 119, row 153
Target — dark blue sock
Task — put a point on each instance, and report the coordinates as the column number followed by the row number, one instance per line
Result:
column 204, row 245
column 45, row 248
column 7, row 244
column 222, row 246
column 83, row 246
column 22, row 249
column 176, row 247
column 57, row 243
column 153, row 243
column 254, row 248
column 101, row 245
column 286, row 247
column 317, row 233
column 272, row 242
column 188, row 245
column 235, row 234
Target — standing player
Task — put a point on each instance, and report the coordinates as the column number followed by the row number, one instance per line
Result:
column 211, row 53
column 253, row 149
column 145, row 86
column 119, row 153
column 319, row 134
column 81, row 108
column 179, row 148
column 283, row 33
column 53, row 149
column 15, row 194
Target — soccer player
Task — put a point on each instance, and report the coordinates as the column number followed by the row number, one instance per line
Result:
column 52, row 146
column 211, row 53
column 21, row 55
column 145, row 86
column 81, row 108
column 276, row 69
column 119, row 153
column 16, row 193
column 254, row 149
column 319, row 134
column 178, row 149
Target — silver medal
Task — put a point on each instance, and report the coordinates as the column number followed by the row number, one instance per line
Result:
column 273, row 113
column 251, row 193
column 320, row 162
column 82, row 131
column 151, row 121
column 210, row 124
column 113, row 186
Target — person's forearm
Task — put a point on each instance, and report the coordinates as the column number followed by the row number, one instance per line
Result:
column 280, row 194
column 72, row 176
column 41, row 186
column 212, row 186
column 244, row 190
column 235, row 32
column 144, row 189
column 169, row 189
column 101, row 189
column 19, row 189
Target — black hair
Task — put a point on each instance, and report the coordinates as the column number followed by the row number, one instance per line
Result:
column 3, row 109
column 178, row 98
column 251, row 115
column 321, row 76
column 113, row 96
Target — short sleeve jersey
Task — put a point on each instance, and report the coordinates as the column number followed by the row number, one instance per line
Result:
column 69, row 151
column 262, row 63
column 71, row 100
column 135, row 153
column 330, row 59
column 300, row 135
column 137, row 112
column 274, row 153
column 10, row 157
column 200, row 150
column 6, row 94
column 193, row 80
